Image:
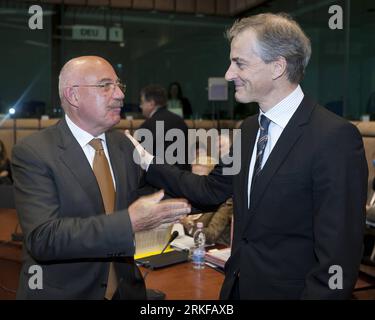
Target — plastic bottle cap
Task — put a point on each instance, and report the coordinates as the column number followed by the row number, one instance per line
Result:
column 200, row 225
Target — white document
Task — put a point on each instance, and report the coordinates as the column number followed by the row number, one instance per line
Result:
column 218, row 257
column 183, row 241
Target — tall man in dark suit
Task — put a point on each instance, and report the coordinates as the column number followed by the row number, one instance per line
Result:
column 153, row 105
column 75, row 186
column 299, row 198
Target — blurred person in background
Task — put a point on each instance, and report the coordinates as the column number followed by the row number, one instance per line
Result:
column 5, row 168
column 177, row 103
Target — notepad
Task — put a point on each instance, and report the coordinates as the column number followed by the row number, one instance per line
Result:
column 151, row 242
column 182, row 242
column 218, row 257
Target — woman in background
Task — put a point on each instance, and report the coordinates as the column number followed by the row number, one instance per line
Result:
column 177, row 103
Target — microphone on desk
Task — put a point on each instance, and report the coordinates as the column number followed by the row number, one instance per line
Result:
column 173, row 236
column 154, row 294
column 146, row 261
column 164, row 259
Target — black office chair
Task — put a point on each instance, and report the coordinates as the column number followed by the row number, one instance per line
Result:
column 367, row 267
column 7, row 197
column 370, row 233
column 369, row 254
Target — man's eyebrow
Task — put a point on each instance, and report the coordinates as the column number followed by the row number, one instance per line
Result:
column 237, row 59
column 105, row 80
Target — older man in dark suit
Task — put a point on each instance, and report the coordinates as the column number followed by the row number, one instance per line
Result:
column 299, row 198
column 75, row 186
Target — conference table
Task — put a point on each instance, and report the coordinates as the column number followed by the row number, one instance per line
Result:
column 182, row 282
column 179, row 281
column 10, row 254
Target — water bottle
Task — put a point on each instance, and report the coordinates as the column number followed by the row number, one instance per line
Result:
column 199, row 251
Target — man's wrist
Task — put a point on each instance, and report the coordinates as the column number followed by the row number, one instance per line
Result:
column 145, row 157
column 147, row 161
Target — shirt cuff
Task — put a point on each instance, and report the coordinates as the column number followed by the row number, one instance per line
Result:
column 147, row 161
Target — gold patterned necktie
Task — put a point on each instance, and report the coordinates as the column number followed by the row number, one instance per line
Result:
column 103, row 176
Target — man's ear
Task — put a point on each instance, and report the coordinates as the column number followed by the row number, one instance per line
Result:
column 71, row 95
column 279, row 67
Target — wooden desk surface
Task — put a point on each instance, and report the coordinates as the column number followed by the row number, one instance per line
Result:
column 9, row 222
column 179, row 282
column 182, row 282
column 10, row 250
column 10, row 255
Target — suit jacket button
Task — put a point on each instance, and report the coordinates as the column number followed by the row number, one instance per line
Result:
column 103, row 285
column 245, row 240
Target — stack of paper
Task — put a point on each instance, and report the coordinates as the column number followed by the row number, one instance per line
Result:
column 218, row 257
column 151, row 242
column 182, row 242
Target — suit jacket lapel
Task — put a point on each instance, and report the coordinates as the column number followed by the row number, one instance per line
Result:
column 76, row 161
column 287, row 140
column 118, row 165
column 120, row 158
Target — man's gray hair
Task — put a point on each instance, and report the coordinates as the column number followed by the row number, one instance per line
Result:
column 278, row 35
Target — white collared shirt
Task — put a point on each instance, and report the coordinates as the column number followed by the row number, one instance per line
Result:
column 83, row 138
column 279, row 115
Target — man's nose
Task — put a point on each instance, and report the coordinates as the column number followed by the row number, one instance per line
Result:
column 229, row 75
column 118, row 94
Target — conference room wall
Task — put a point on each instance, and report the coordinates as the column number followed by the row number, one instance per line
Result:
column 163, row 47
column 340, row 73
column 25, row 60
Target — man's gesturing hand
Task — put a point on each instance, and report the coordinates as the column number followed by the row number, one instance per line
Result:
column 150, row 211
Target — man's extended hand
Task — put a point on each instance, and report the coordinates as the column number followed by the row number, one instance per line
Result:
column 145, row 158
column 150, row 211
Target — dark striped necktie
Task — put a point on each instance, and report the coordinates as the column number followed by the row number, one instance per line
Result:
column 261, row 145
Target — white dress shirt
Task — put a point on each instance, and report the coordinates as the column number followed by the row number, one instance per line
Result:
column 279, row 115
column 83, row 138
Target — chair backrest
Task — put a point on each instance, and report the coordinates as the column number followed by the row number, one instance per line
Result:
column 45, row 123
column 7, row 197
column 367, row 130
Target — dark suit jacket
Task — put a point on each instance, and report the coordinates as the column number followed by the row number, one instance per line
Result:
column 307, row 208
column 170, row 121
column 61, row 212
